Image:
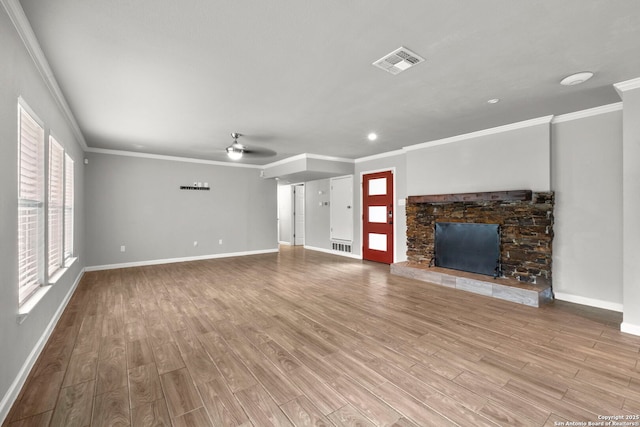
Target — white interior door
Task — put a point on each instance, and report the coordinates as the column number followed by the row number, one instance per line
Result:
column 298, row 214
column 341, row 209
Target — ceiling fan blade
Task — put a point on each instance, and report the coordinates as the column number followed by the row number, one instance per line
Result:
column 259, row 152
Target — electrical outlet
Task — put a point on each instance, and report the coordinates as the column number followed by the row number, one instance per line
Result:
column 220, row 241
column 122, row 248
column 195, row 243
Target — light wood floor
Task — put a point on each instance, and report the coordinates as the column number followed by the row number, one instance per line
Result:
column 305, row 338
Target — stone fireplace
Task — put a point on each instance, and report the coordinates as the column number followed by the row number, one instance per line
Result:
column 525, row 220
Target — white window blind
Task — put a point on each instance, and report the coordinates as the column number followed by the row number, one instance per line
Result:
column 56, row 204
column 30, row 204
column 68, row 207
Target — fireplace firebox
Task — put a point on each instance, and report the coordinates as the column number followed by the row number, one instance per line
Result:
column 468, row 247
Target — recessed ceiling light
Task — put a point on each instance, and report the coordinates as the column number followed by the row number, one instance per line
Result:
column 493, row 101
column 576, row 79
column 372, row 136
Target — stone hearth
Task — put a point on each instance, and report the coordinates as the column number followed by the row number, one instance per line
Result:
column 533, row 295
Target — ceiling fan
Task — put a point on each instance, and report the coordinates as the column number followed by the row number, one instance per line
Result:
column 235, row 151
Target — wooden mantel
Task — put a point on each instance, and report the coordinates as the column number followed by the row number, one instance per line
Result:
column 515, row 195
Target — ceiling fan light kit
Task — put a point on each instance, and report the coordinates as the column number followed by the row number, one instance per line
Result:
column 235, row 150
column 234, row 153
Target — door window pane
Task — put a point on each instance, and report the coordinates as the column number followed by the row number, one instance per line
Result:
column 378, row 242
column 378, row 187
column 378, row 214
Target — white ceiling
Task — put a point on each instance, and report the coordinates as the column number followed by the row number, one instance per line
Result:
column 295, row 76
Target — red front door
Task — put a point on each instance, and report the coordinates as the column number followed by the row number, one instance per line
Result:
column 377, row 217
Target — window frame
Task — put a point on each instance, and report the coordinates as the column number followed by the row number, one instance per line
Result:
column 68, row 210
column 30, row 243
column 39, row 166
column 55, row 208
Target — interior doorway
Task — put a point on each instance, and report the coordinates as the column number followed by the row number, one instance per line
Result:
column 285, row 215
column 298, row 214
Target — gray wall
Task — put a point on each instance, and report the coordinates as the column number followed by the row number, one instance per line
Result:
column 136, row 202
column 631, row 209
column 317, row 218
column 513, row 160
column 19, row 77
column 286, row 168
column 587, row 181
column 329, row 167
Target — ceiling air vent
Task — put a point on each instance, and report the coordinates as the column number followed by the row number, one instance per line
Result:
column 398, row 61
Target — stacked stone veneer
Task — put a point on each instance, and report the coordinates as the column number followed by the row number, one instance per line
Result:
column 526, row 232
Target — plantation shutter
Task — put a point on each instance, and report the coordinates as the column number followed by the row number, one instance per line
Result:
column 56, row 203
column 68, row 207
column 30, row 203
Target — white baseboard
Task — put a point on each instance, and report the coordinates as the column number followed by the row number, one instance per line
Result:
column 332, row 252
column 12, row 394
column 592, row 302
column 172, row 260
column 284, row 243
column 628, row 328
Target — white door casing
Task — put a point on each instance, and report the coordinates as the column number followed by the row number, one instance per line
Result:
column 298, row 214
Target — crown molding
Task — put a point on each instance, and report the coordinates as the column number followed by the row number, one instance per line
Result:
column 28, row 37
column 603, row 109
column 381, row 156
column 627, row 85
column 213, row 162
column 329, row 158
column 302, row 156
column 305, row 156
column 170, row 158
column 485, row 132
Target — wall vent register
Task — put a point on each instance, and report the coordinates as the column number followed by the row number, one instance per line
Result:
column 341, row 247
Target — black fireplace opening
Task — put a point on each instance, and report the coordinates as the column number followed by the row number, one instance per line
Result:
column 468, row 247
